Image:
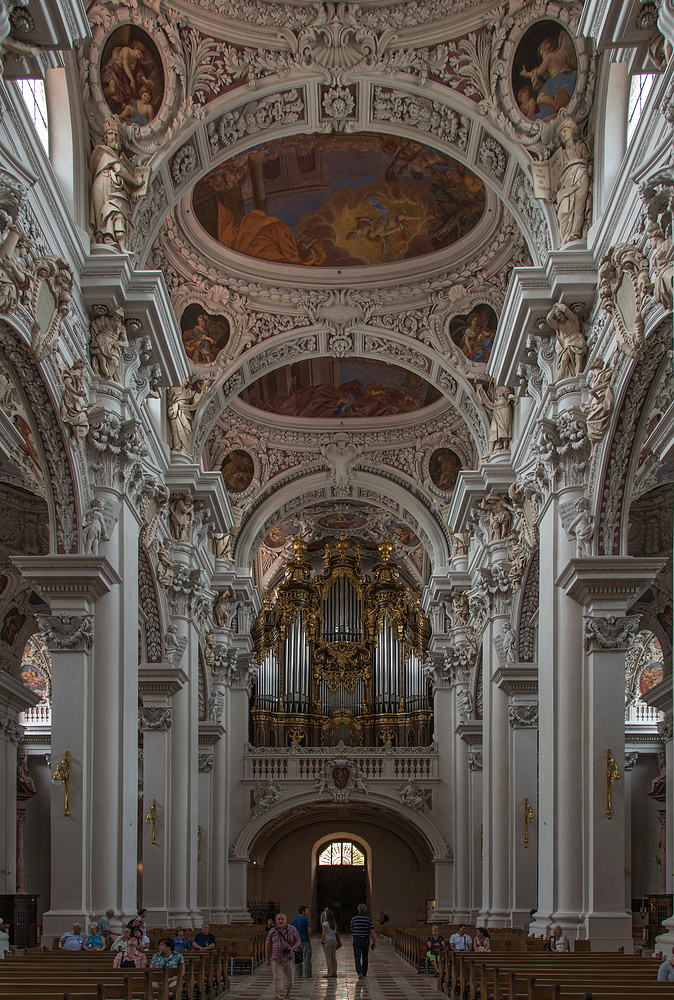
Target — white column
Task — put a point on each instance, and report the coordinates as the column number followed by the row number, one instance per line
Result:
column 157, row 683
column 496, row 763
column 71, row 585
column 209, row 800
column 115, row 725
column 605, row 586
column 475, row 818
column 236, row 726
column 60, row 132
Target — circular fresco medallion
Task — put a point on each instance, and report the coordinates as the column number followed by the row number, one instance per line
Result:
column 280, row 533
column 444, row 466
column 237, row 471
column 132, row 75
column 545, row 70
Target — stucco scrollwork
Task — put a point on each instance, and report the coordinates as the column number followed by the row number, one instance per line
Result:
column 152, row 718
column 422, row 114
column 67, row 631
column 339, row 778
column 523, row 716
column 285, row 108
column 265, row 796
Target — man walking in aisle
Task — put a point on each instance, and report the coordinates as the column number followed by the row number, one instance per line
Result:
column 362, row 929
column 303, row 928
column 279, row 953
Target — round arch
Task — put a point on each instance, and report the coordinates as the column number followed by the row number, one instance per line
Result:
column 398, row 490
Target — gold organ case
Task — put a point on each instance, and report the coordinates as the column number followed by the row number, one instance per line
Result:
column 341, row 655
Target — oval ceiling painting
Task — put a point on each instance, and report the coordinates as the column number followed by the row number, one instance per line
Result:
column 339, row 200
column 329, row 387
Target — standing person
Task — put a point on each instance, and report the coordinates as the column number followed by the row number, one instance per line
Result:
column 461, row 941
column 362, row 929
column 303, row 928
column 282, row 942
column 331, row 942
column 434, row 945
column 104, row 927
column 530, row 921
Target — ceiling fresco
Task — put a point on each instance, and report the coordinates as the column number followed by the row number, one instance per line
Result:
column 339, row 200
column 329, row 387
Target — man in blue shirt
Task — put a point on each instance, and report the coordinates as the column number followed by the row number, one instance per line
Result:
column 73, row 940
column 303, row 928
column 362, row 929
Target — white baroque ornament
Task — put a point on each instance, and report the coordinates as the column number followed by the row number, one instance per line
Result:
column 339, row 778
column 265, row 796
column 285, row 108
column 338, row 102
column 154, row 718
column 422, row 114
column 414, row 797
column 611, row 632
column 623, row 265
column 67, row 631
column 523, row 716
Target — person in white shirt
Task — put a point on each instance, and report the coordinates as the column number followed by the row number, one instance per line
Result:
column 461, row 941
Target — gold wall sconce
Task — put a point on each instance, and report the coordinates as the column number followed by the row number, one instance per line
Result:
column 528, row 814
column 152, row 818
column 612, row 774
column 62, row 773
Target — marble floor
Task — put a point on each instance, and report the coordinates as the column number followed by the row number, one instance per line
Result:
column 388, row 978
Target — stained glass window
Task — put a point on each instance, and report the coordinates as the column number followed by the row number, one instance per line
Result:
column 341, row 852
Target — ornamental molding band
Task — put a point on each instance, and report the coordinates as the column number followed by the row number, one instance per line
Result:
column 339, row 778
column 610, row 632
column 59, row 632
column 523, row 716
column 155, row 719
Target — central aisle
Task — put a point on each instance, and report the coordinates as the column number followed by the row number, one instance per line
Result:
column 388, row 978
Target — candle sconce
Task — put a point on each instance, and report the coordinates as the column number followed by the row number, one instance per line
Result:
column 528, row 814
column 62, row 773
column 612, row 774
column 152, row 818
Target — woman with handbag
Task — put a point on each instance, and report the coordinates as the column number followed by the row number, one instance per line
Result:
column 331, row 941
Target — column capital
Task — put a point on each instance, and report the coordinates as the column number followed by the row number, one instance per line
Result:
column 523, row 716
column 160, row 679
column 608, row 584
column 612, row 632
column 517, row 678
column 62, row 578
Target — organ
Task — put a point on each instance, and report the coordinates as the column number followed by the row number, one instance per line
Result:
column 340, row 655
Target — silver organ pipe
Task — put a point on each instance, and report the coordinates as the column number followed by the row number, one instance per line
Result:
column 342, row 613
column 267, row 685
column 388, row 685
column 296, row 668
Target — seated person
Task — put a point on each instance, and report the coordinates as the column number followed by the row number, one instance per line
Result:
column 119, row 943
column 434, row 946
column 131, row 957
column 482, row 940
column 143, row 939
column 558, row 941
column 167, row 957
column 181, row 942
column 94, row 942
column 666, row 970
column 104, row 926
column 73, row 940
column 461, row 941
column 204, row 941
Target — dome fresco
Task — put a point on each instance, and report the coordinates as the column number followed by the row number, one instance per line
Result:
column 339, row 200
column 329, row 387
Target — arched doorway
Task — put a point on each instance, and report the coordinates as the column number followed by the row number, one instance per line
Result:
column 341, row 879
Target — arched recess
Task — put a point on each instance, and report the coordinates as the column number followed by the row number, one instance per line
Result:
column 275, row 498
column 312, row 343
column 64, row 468
column 422, row 838
column 620, row 454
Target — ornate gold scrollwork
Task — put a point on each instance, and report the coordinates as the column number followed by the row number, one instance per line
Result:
column 341, row 663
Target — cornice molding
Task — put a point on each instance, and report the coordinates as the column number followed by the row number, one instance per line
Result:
column 62, row 576
column 608, row 582
column 517, row 678
column 160, row 679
